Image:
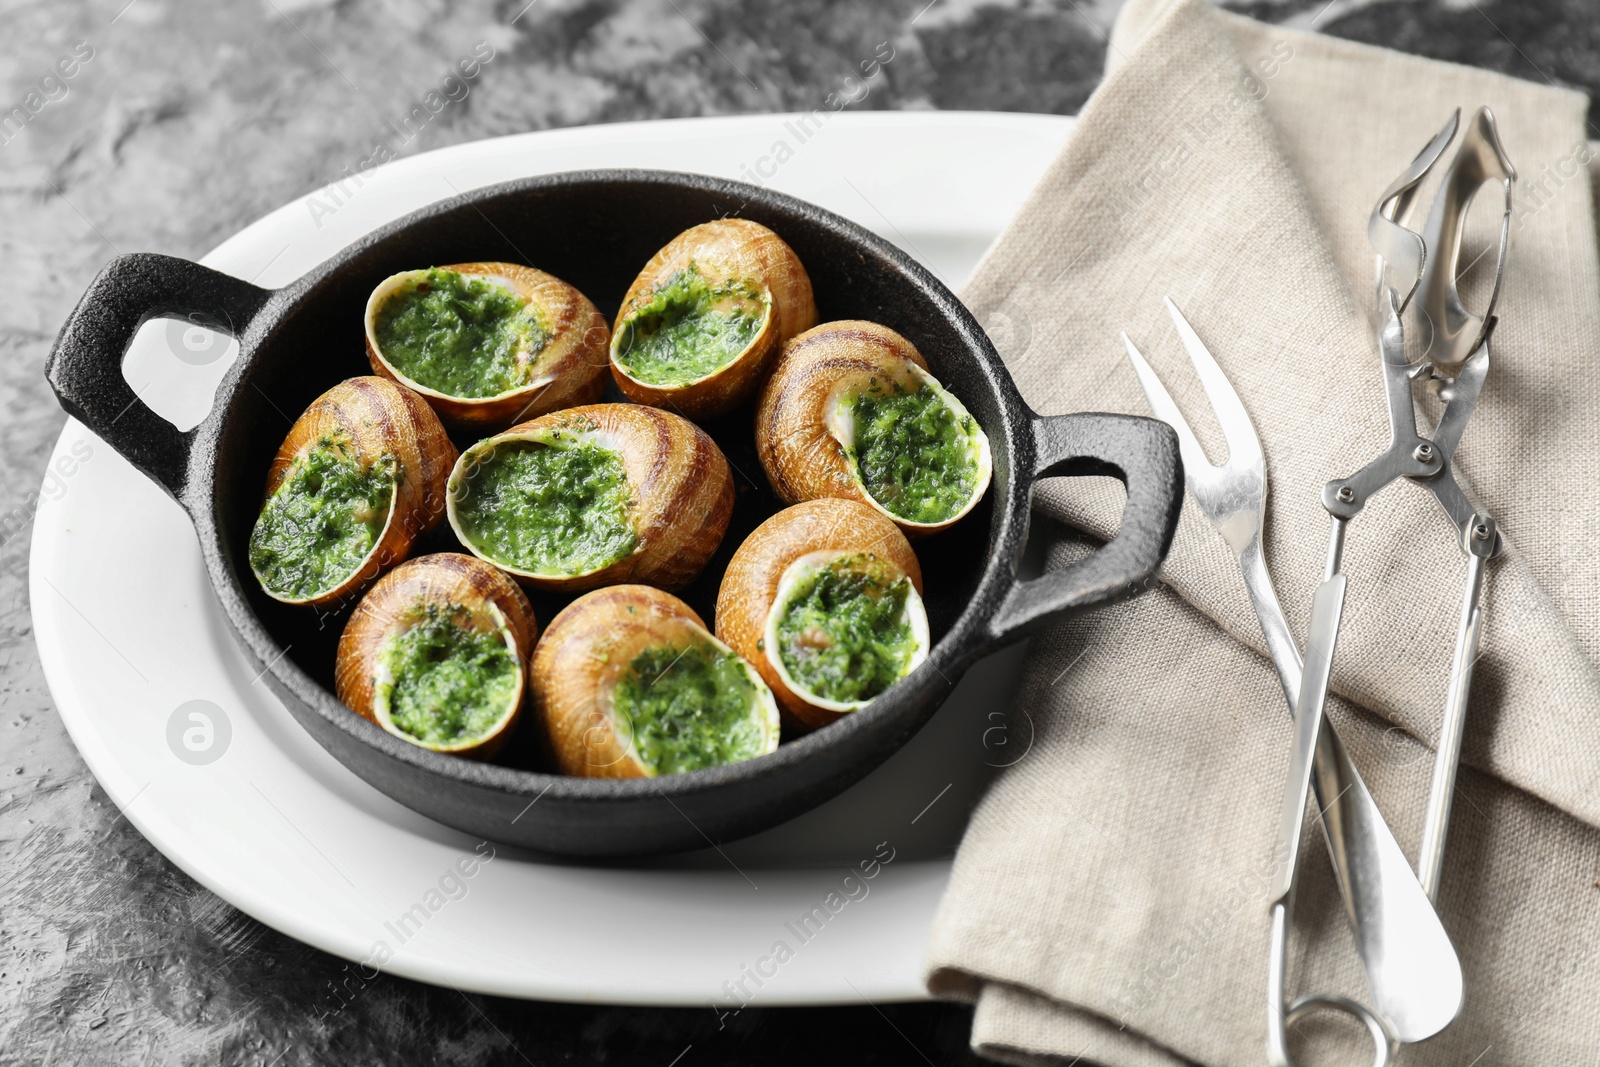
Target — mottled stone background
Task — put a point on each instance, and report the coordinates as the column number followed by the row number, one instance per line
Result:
column 192, row 119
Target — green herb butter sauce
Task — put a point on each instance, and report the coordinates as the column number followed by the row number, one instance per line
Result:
column 458, row 334
column 843, row 630
column 916, row 455
column 688, row 329
column 447, row 682
column 690, row 706
column 321, row 522
column 557, row 507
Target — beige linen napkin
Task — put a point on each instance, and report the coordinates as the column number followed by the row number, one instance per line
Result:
column 1108, row 901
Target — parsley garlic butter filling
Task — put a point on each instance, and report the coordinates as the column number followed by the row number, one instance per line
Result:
column 322, row 521
column 458, row 334
column 627, row 682
column 845, row 627
column 852, row 410
column 688, row 329
column 915, row 450
column 688, row 706
column 444, row 681
column 554, row 506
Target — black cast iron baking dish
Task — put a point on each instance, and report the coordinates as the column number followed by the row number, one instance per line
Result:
column 595, row 229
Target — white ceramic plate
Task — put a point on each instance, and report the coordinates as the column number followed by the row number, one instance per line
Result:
column 130, row 634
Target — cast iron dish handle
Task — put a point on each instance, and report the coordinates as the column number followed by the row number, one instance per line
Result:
column 85, row 367
column 1141, row 453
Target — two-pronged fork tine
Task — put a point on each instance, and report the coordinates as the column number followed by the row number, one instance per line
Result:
column 1244, row 447
column 1196, row 465
column 1411, row 967
column 1231, row 494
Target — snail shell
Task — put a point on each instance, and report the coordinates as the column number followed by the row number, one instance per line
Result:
column 589, row 648
column 805, row 431
column 734, row 254
column 370, row 419
column 678, row 484
column 481, row 597
column 569, row 369
column 771, row 560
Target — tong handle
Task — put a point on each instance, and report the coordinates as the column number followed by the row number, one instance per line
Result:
column 1326, row 609
column 1447, row 759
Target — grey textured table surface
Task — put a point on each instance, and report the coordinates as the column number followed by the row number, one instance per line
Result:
column 185, row 119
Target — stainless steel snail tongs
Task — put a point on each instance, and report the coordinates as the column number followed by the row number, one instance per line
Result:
column 1453, row 364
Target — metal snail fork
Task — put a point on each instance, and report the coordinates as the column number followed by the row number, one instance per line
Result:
column 1411, row 968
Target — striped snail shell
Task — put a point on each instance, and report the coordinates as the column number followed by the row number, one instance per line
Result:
column 701, row 324
column 592, row 496
column 360, row 476
column 825, row 426
column 556, row 359
column 609, row 647
column 423, row 628
column 776, row 570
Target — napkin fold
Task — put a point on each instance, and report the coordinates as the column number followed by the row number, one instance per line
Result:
column 1109, row 900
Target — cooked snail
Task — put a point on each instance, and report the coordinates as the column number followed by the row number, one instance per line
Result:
column 434, row 654
column 594, row 496
column 851, row 411
column 825, row 598
column 487, row 343
column 629, row 684
column 360, row 477
column 702, row 322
